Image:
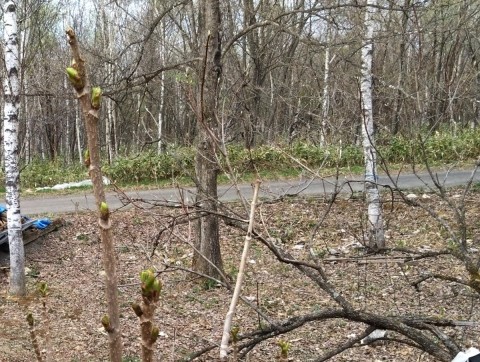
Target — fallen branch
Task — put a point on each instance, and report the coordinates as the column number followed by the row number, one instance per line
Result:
column 241, row 274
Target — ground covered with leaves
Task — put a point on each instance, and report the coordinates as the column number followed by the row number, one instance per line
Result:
column 191, row 312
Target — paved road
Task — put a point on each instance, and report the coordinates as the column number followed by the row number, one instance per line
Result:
column 49, row 204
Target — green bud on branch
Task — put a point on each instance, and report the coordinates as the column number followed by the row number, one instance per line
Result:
column 151, row 286
column 104, row 211
column 73, row 74
column 106, row 323
column 154, row 334
column 74, row 78
column 96, row 97
column 157, row 286
column 146, row 275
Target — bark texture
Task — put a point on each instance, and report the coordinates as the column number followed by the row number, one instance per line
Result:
column 207, row 257
column 375, row 222
column 90, row 113
column 11, row 94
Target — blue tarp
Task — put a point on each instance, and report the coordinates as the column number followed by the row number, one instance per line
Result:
column 27, row 223
column 38, row 224
column 42, row 223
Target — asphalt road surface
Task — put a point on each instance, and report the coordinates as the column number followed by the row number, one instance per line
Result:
column 55, row 204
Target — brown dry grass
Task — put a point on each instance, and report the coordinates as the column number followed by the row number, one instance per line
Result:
column 191, row 316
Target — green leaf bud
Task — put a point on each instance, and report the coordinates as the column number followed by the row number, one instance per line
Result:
column 145, row 275
column 150, row 282
column 74, row 78
column 106, row 323
column 154, row 334
column 104, row 211
column 157, row 286
column 73, row 74
column 96, row 97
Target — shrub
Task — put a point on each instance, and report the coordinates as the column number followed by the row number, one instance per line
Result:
column 149, row 167
column 41, row 173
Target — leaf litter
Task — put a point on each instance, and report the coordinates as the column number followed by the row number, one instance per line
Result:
column 190, row 314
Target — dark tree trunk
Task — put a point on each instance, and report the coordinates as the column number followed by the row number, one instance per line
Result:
column 207, row 257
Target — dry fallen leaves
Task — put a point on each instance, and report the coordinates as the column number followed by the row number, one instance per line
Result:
column 191, row 316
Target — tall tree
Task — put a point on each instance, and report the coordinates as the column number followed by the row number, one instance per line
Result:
column 207, row 258
column 325, row 90
column 375, row 221
column 252, row 99
column 11, row 94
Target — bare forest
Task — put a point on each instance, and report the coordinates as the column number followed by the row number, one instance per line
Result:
column 289, row 69
column 362, row 271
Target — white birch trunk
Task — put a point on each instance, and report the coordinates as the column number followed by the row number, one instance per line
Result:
column 161, row 51
column 160, row 114
column 375, row 221
column 77, row 131
column 160, row 124
column 108, row 128
column 109, row 120
column 325, row 93
column 28, row 129
column 11, row 88
column 68, row 126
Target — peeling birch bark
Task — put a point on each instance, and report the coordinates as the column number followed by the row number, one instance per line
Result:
column 375, row 230
column 11, row 95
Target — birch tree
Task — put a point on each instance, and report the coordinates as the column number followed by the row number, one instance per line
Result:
column 11, row 94
column 326, row 90
column 375, row 222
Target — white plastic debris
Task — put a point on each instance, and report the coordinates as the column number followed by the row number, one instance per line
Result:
column 412, row 196
column 464, row 356
column 376, row 334
column 64, row 186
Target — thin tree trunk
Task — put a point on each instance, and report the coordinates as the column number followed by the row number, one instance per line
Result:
column 66, row 154
column 29, row 144
column 162, row 93
column 253, row 90
column 326, row 90
column 207, row 256
column 375, row 221
column 90, row 105
column 11, row 95
column 108, row 129
column 79, row 139
column 399, row 99
column 109, row 119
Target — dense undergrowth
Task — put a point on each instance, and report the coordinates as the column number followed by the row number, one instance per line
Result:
column 177, row 163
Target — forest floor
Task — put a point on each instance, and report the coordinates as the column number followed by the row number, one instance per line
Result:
column 190, row 314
